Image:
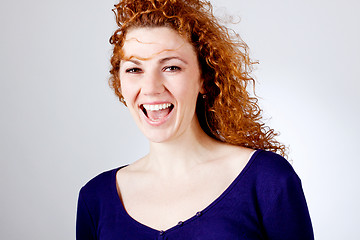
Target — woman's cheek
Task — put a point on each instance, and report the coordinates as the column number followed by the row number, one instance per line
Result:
column 129, row 90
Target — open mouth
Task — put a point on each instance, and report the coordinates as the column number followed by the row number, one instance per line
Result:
column 156, row 112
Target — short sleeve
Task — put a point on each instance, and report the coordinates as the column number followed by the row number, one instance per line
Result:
column 85, row 229
column 287, row 216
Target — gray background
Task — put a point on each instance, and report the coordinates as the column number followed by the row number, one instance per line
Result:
column 61, row 125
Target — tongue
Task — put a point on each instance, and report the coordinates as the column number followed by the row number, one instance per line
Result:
column 157, row 115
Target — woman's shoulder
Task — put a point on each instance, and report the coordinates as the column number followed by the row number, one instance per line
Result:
column 271, row 173
column 271, row 164
column 260, row 165
column 100, row 183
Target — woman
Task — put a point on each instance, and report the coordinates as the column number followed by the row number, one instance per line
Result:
column 212, row 171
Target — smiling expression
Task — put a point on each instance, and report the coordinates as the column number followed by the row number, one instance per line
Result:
column 160, row 82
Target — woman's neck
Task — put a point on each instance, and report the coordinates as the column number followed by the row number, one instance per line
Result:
column 178, row 156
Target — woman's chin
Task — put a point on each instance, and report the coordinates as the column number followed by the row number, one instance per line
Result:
column 158, row 137
column 156, row 130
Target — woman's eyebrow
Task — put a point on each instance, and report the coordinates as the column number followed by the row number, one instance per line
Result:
column 136, row 62
column 170, row 58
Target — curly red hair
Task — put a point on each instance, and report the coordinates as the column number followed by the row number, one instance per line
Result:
column 228, row 112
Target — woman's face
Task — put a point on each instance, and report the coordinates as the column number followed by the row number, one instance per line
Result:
column 160, row 81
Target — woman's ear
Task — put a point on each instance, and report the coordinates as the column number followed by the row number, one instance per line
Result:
column 202, row 89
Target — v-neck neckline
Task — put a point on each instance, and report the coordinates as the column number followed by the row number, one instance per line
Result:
column 187, row 221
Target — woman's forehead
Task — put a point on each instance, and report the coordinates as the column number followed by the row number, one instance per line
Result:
column 150, row 42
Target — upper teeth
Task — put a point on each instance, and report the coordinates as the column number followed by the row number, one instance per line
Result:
column 156, row 107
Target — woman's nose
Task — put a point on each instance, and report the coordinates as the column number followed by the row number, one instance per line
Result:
column 152, row 83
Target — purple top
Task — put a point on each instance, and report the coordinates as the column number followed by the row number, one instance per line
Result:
column 265, row 201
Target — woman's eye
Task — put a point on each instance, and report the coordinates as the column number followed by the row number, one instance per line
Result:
column 172, row 69
column 133, row 70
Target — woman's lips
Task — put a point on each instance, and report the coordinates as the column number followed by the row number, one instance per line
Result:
column 156, row 112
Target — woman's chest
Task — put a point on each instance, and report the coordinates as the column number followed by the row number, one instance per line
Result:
column 162, row 206
column 221, row 221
